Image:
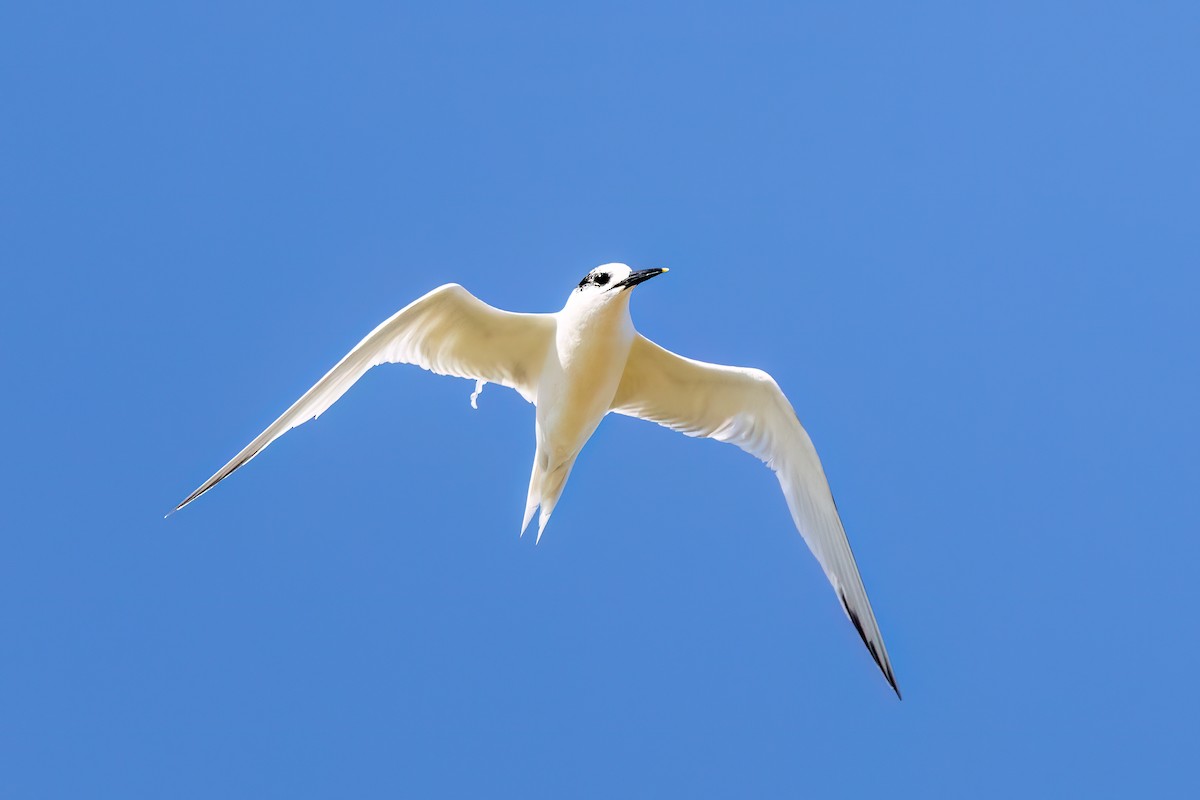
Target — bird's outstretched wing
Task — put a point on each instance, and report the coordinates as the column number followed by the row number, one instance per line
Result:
column 448, row 331
column 746, row 407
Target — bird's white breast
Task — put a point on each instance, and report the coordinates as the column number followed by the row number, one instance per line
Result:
column 581, row 375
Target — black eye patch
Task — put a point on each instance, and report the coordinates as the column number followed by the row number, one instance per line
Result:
column 599, row 279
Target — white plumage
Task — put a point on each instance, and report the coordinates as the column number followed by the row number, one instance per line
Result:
column 582, row 363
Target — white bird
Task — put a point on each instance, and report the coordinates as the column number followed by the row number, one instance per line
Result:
column 580, row 364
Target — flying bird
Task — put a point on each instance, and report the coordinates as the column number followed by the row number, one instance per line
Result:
column 584, row 362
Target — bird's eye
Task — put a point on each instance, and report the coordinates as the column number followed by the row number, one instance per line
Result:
column 601, row 279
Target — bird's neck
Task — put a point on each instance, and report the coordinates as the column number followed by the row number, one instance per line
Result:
column 585, row 326
column 597, row 317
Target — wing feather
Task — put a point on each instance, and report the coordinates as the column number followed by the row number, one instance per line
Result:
column 448, row 331
column 746, row 407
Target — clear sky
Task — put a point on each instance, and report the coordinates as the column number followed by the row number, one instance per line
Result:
column 963, row 237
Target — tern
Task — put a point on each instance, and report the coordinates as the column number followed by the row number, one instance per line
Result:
column 580, row 364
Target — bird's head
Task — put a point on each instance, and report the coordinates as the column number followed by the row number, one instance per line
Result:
column 609, row 283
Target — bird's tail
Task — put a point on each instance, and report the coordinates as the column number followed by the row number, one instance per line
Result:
column 546, row 485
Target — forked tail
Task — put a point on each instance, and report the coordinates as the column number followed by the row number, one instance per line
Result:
column 546, row 485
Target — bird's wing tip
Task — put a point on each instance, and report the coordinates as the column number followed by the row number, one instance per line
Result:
column 881, row 661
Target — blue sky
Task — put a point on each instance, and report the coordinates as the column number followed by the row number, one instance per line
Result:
column 963, row 238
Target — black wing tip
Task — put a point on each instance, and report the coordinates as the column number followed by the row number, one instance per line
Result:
column 884, row 667
column 207, row 485
column 188, row 500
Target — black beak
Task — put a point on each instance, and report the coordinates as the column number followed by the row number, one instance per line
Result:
column 638, row 276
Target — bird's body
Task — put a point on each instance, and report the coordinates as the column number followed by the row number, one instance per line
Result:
column 580, row 364
column 579, row 379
